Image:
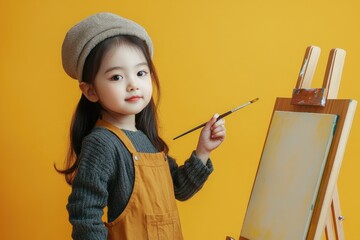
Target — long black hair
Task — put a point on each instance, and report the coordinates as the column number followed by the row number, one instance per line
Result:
column 87, row 112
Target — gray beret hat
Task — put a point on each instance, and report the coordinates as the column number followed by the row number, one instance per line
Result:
column 85, row 35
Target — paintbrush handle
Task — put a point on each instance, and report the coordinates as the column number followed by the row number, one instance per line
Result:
column 191, row 130
column 219, row 117
column 224, row 115
column 203, row 125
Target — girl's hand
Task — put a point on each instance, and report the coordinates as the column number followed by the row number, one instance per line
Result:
column 211, row 136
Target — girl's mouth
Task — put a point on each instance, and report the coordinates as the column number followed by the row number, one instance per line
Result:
column 133, row 99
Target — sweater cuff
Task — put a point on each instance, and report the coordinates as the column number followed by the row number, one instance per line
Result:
column 208, row 167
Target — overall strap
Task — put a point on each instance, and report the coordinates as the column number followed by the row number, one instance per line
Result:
column 120, row 134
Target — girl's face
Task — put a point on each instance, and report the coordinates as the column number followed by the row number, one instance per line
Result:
column 123, row 83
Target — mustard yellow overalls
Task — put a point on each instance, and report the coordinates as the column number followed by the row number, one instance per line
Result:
column 151, row 212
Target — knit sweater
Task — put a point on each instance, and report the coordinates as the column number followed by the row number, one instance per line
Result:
column 105, row 178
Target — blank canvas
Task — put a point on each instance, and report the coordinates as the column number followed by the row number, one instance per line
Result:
column 289, row 175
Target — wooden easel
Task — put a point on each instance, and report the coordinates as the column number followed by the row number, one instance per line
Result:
column 327, row 213
column 326, row 217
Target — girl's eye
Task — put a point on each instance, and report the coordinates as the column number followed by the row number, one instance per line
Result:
column 142, row 73
column 116, row 77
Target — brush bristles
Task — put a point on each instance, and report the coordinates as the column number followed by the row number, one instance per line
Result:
column 254, row 100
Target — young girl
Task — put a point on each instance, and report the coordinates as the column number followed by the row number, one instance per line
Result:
column 116, row 158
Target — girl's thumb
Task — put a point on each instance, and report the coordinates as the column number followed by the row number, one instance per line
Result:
column 213, row 119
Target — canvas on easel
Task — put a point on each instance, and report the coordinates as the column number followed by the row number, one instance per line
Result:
column 289, row 175
column 294, row 195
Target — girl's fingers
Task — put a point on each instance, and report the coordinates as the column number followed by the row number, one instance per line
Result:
column 218, row 131
column 217, row 128
column 212, row 121
column 221, row 122
column 219, row 135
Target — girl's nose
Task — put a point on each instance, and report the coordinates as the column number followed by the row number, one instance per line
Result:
column 132, row 85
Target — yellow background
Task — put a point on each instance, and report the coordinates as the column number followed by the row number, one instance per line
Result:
column 211, row 56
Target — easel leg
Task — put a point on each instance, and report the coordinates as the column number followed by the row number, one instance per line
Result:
column 334, row 229
column 329, row 227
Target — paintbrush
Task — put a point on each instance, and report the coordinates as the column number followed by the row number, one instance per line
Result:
column 221, row 116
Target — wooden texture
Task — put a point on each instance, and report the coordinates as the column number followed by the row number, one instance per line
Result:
column 303, row 94
column 329, row 229
column 330, row 89
column 308, row 67
column 309, row 96
column 333, row 72
column 334, row 229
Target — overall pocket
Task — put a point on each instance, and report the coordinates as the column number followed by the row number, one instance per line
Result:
column 163, row 226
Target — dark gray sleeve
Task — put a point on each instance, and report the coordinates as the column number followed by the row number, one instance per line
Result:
column 190, row 177
column 89, row 191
